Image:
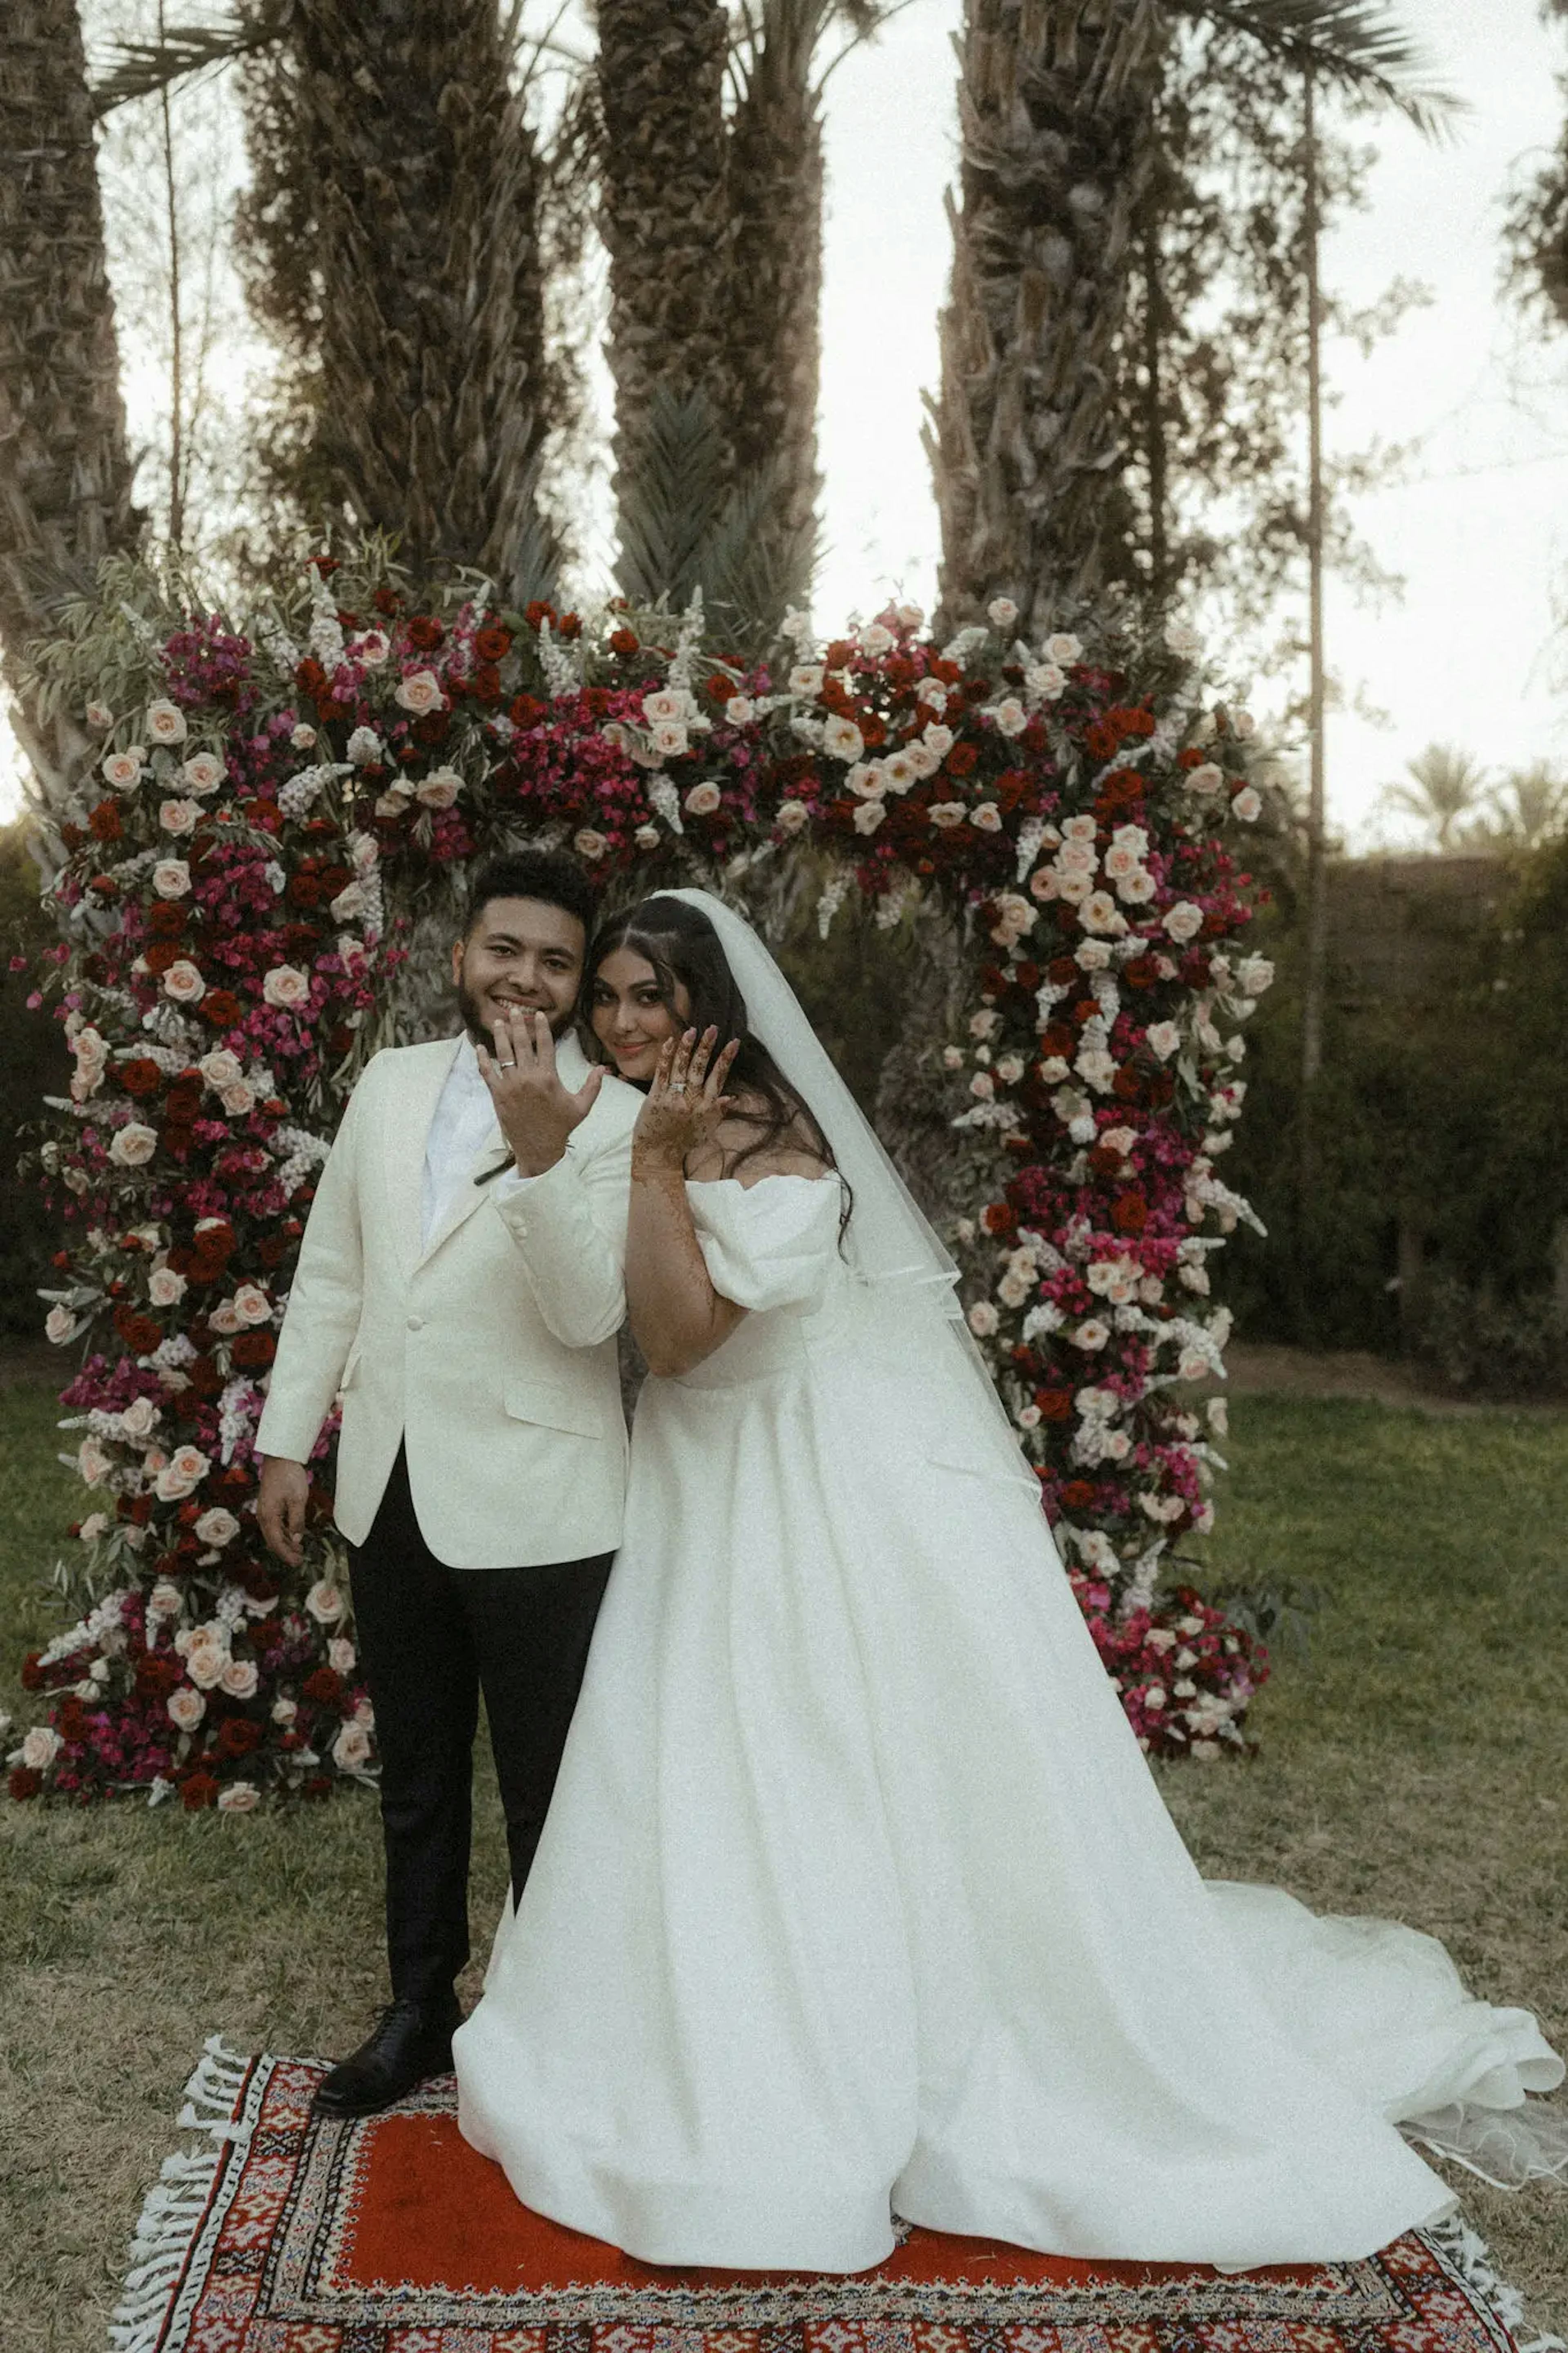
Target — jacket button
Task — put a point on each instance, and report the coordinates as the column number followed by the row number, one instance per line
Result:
column 417, row 1323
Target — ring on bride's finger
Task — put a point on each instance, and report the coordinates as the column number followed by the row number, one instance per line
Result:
column 507, row 1066
column 677, row 1087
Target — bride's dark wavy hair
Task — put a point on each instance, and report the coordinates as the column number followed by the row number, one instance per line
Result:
column 685, row 951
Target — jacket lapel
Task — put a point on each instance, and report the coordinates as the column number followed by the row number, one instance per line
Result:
column 572, row 1064
column 409, row 1115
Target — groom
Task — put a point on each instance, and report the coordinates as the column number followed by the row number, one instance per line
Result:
column 460, row 1282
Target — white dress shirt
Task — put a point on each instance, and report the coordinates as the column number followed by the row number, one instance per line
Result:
column 465, row 1123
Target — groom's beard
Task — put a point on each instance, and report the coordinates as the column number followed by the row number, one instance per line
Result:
column 474, row 1022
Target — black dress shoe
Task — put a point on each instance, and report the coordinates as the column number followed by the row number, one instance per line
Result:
column 409, row 2042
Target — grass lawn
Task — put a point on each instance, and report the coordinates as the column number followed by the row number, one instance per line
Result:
column 1414, row 1768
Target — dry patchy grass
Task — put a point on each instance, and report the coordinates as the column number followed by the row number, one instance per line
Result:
column 1414, row 1768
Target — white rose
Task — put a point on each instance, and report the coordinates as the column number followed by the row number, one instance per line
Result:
column 1064, row 650
column 938, row 741
column 646, row 837
column 1092, row 1334
column 286, row 985
column 1246, row 806
column 40, row 1746
column 1001, row 613
column 203, row 772
column 251, row 1305
column 238, row 1099
column 669, row 739
column 807, row 678
column 1136, row 888
column 947, row 814
column 284, row 1711
column 217, row 1527
column 165, row 722
column 239, row 1798
column 325, row 1602
column 170, row 877
column 865, row 779
column 1010, row 1070
column 121, row 770
column 1100, row 913
column 1045, row 681
column 351, row 1749
column 985, row 817
column 1045, row 882
column 186, row 1708
column 1163, row 1038
column 1091, row 955
column 182, row 1474
column 843, row 738
column 1010, row 717
column 1206, row 780
column 392, row 804
column 869, row 816
column 239, row 1678
column 1256, row 975
column 302, row 738
column 99, row 716
column 371, row 649
column 221, row 1068
column 791, row 815
column 740, row 710
column 1029, row 1417
column 206, row 1658
column 1243, row 725
column 439, row 789
column 1184, row 921
column 133, row 1145
column 899, row 771
column 983, row 1320
column 164, row 1600
column 420, row 693
column 363, row 746
column 876, row 638
column 60, row 1325
column 139, row 1417
column 184, row 983
column 589, row 844
column 702, row 799
column 983, row 1085
column 341, row 1655
column 177, row 817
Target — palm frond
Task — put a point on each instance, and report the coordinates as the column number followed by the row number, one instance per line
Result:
column 140, row 68
column 1358, row 46
column 671, row 503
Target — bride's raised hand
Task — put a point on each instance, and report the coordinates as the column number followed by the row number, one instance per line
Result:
column 686, row 1105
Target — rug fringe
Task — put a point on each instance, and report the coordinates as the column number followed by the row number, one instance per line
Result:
column 1471, row 2257
column 173, row 2210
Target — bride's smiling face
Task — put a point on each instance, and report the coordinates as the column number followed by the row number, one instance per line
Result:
column 629, row 1017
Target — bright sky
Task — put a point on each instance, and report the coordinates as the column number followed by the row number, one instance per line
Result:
column 1469, row 655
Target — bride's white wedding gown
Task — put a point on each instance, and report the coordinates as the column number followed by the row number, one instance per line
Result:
column 856, row 1889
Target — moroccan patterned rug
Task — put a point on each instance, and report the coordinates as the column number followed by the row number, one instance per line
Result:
column 280, row 2234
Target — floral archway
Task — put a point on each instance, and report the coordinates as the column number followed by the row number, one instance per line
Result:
column 272, row 802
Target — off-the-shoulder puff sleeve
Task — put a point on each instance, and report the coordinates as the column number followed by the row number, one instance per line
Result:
column 771, row 1244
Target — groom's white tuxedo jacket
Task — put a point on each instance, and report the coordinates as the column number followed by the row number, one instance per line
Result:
column 488, row 1350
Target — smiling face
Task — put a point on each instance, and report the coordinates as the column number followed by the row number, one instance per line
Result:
column 629, row 1017
column 520, row 955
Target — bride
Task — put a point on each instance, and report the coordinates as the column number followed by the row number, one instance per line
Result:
column 855, row 1894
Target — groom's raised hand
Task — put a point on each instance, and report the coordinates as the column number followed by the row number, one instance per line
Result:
column 537, row 1114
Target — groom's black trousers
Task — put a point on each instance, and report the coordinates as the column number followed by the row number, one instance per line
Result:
column 431, row 1638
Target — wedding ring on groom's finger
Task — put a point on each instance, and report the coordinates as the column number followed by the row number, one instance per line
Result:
column 676, row 1087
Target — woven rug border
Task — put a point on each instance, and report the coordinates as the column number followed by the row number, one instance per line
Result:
column 183, row 2219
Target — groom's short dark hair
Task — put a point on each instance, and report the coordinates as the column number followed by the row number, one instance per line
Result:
column 549, row 875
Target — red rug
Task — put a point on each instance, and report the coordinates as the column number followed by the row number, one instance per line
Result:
column 286, row 2234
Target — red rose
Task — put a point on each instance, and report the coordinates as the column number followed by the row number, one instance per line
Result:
column 105, row 822
column 486, row 684
column 1139, row 973
column 1101, row 739
column 385, row 601
column 165, row 921
column 527, row 711
column 196, row 1790
column 24, row 1782
column 183, row 1102
column 303, row 891
column 269, row 1249
column 104, row 886
column 997, row 1218
column 222, row 1007
column 139, row 1076
column 425, row 632
column 569, row 625
column 1062, row 971
column 1078, row 1494
column 156, row 1678
column 1191, row 758
column 1057, row 1040
column 1056, row 1405
column 492, row 644
column 624, row 642
column 1127, row 1085
column 539, row 612
column 158, row 955
column 1131, row 1214
column 1104, row 1161
column 239, row 1736
column 254, row 1350
column 311, row 678
column 962, row 759
column 325, row 1686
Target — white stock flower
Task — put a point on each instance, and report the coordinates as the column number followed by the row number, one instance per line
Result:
column 363, row 746
column 133, row 1145
column 1183, row 640
column 1243, row 725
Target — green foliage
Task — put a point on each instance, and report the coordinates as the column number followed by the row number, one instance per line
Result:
column 32, row 1063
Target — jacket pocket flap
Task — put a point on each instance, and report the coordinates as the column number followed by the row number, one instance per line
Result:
column 554, row 1407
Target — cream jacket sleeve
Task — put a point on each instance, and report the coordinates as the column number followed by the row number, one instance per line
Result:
column 570, row 1227
column 325, row 1301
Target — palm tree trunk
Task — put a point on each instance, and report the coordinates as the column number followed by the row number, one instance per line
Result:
column 774, row 343
column 393, row 240
column 1057, row 122
column 65, row 469
column 662, row 75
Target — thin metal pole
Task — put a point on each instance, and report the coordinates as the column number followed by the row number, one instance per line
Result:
column 1317, row 862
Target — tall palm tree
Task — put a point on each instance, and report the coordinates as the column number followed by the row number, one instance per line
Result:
column 1527, row 806
column 392, row 242
column 1445, row 785
column 1059, row 123
column 65, row 491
